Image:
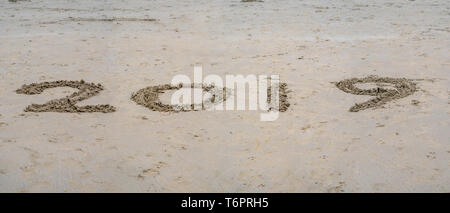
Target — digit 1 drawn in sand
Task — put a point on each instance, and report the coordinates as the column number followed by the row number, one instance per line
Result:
column 283, row 102
column 403, row 87
column 66, row 104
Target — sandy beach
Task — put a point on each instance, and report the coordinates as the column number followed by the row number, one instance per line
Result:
column 316, row 145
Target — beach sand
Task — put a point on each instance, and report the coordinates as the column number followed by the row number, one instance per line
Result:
column 316, row 145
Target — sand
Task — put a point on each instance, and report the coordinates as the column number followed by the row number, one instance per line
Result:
column 402, row 144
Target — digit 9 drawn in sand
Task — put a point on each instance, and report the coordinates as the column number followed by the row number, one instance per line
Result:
column 68, row 103
column 403, row 87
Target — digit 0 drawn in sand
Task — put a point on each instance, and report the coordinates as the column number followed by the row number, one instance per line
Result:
column 403, row 87
column 66, row 104
column 149, row 97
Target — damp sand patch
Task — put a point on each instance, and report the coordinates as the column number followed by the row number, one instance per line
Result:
column 15, row 1
column 117, row 19
column 401, row 87
column 110, row 19
column 68, row 103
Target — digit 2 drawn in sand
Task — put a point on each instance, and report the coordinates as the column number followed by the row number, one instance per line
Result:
column 66, row 104
column 403, row 87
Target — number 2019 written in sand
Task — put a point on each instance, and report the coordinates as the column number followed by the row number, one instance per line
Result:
column 148, row 96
